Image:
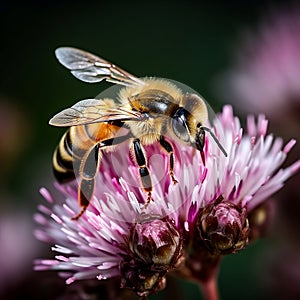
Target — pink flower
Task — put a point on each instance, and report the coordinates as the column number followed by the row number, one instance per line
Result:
column 119, row 237
column 110, row 238
column 266, row 72
column 18, row 247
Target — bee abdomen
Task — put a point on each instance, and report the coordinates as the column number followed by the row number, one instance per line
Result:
column 63, row 161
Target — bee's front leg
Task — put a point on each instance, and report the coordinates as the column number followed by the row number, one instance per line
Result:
column 145, row 176
column 168, row 147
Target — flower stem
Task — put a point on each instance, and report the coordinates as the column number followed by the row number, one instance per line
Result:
column 210, row 289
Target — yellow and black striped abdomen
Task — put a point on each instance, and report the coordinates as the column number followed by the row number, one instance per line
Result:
column 73, row 146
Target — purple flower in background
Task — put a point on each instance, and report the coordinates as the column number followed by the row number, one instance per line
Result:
column 187, row 226
column 15, row 234
column 265, row 76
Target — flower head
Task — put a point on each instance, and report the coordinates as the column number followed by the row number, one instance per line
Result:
column 187, row 225
column 237, row 185
column 117, row 236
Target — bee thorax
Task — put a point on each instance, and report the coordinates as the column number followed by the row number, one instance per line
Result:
column 148, row 131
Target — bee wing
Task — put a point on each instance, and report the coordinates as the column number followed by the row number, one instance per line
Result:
column 93, row 111
column 88, row 67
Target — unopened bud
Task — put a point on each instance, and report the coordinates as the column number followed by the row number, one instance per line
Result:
column 156, row 247
column 140, row 279
column 224, row 227
column 155, row 242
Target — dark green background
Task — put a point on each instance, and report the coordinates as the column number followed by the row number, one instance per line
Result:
column 188, row 41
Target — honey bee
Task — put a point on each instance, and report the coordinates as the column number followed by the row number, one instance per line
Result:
column 149, row 109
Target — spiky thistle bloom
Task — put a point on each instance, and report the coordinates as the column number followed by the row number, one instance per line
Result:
column 233, row 191
column 187, row 226
column 117, row 236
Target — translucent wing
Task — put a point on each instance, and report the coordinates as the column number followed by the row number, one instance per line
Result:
column 88, row 67
column 93, row 111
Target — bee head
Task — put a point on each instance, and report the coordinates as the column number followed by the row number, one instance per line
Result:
column 188, row 119
column 188, row 123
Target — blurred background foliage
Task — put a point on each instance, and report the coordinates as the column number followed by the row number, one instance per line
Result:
column 188, row 41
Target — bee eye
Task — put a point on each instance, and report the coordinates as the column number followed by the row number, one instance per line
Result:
column 179, row 125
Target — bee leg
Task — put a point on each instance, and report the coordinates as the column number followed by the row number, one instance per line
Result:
column 143, row 169
column 168, row 147
column 85, row 194
column 200, row 142
column 88, row 170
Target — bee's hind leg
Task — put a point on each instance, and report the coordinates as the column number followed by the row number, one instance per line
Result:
column 88, row 170
column 168, row 147
column 85, row 194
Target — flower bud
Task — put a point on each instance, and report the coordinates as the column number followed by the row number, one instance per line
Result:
column 224, row 227
column 140, row 279
column 156, row 247
column 155, row 242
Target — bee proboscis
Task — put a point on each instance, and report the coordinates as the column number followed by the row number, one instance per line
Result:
column 150, row 108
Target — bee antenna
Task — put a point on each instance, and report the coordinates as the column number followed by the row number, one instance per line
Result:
column 215, row 139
